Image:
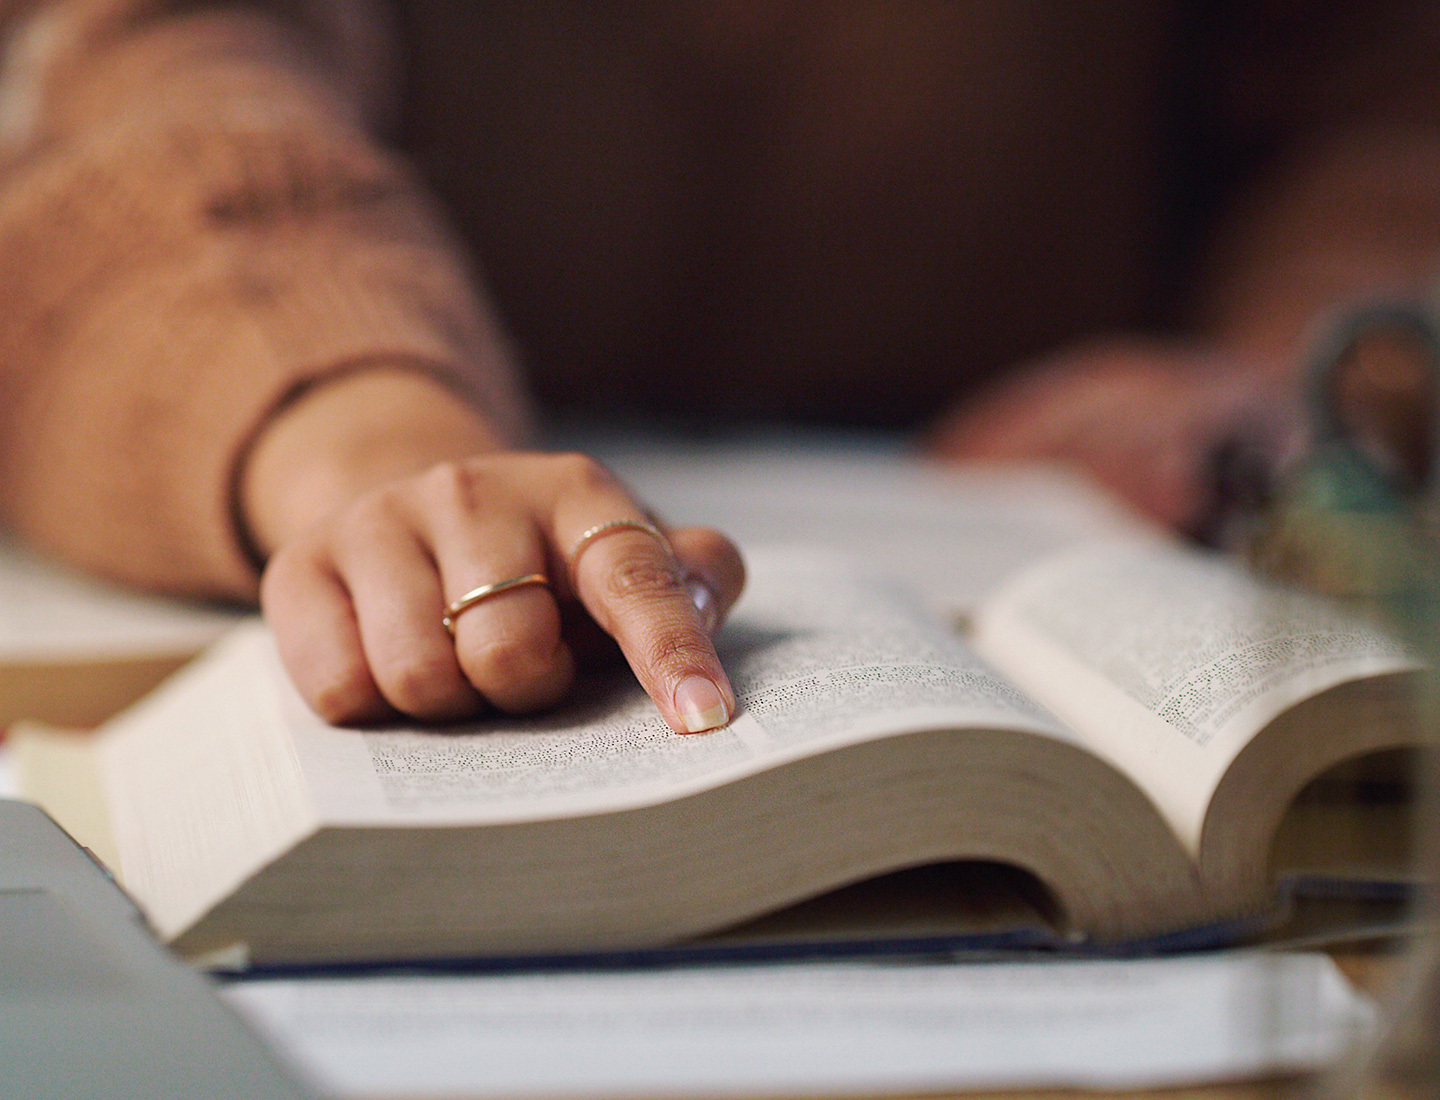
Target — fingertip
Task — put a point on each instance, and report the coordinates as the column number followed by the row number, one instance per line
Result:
column 330, row 671
column 516, row 655
column 332, row 675
column 313, row 622
column 419, row 676
column 682, row 673
column 700, row 705
column 347, row 700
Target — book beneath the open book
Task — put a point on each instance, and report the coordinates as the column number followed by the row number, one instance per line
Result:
column 75, row 649
column 1126, row 721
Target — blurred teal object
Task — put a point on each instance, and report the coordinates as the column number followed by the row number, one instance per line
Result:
column 1349, row 519
column 1352, row 520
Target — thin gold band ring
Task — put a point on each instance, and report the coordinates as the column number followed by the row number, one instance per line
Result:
column 610, row 527
column 484, row 592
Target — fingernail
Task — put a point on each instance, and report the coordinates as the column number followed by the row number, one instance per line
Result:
column 700, row 705
column 704, row 601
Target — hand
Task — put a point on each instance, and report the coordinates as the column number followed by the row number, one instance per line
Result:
column 356, row 597
column 1153, row 422
column 356, row 602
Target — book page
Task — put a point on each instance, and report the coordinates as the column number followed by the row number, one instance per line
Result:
column 201, row 784
column 815, row 1029
column 68, row 786
column 950, row 531
column 1169, row 660
column 49, row 612
column 819, row 657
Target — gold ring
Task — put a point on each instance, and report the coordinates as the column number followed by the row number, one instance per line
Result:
column 600, row 530
column 484, row 592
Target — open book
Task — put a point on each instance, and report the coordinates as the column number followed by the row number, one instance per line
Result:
column 1127, row 722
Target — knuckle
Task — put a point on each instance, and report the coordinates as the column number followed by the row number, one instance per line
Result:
column 510, row 661
column 296, row 562
column 642, row 578
column 678, row 651
column 373, row 513
column 282, row 572
column 345, row 694
column 581, row 473
column 460, row 485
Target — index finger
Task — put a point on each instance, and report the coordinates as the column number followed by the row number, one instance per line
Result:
column 626, row 574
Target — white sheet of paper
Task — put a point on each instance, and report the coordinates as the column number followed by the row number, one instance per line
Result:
column 51, row 612
column 806, row 1028
column 952, row 531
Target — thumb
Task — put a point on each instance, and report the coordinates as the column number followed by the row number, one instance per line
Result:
column 716, row 572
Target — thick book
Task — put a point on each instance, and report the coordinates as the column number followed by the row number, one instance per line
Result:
column 1127, row 722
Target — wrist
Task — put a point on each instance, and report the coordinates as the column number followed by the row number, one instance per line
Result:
column 344, row 436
